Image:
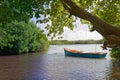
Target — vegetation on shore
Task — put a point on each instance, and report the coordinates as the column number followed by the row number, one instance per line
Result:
column 115, row 53
column 103, row 15
column 60, row 42
column 20, row 37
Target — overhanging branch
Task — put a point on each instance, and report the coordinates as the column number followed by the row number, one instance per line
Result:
column 109, row 32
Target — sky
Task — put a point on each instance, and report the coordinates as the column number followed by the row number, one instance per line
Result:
column 80, row 32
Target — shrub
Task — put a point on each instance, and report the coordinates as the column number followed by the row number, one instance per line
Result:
column 21, row 37
column 115, row 53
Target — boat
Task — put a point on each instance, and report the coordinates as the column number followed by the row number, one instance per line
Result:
column 84, row 54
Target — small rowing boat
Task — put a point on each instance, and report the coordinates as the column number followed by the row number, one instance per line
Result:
column 80, row 53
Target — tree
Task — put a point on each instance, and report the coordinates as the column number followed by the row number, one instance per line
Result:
column 103, row 15
column 20, row 37
column 20, row 10
column 109, row 32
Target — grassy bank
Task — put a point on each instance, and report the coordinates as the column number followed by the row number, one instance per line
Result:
column 60, row 42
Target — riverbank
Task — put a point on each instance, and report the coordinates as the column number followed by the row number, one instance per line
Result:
column 61, row 42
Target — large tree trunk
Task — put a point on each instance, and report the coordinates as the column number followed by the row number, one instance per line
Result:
column 110, row 33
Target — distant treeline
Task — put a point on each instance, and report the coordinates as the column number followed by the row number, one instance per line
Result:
column 58, row 42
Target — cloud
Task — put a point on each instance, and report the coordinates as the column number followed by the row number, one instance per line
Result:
column 80, row 34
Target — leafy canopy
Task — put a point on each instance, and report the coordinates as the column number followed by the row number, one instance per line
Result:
column 54, row 12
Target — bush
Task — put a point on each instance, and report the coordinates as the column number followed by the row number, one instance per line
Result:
column 115, row 53
column 21, row 37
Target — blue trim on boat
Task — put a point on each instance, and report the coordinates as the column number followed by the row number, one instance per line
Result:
column 84, row 55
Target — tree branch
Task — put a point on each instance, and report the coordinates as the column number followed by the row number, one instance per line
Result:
column 105, row 29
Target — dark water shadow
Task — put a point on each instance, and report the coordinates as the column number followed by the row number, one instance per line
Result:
column 114, row 71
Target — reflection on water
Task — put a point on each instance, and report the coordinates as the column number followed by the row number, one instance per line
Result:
column 115, row 70
column 56, row 66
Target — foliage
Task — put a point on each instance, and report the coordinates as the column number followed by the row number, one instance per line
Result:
column 107, row 10
column 19, row 10
column 115, row 53
column 54, row 14
column 58, row 42
column 20, row 37
column 52, row 11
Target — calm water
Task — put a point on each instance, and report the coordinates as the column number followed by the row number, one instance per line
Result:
column 55, row 66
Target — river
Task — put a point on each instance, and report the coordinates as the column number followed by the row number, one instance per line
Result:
column 53, row 65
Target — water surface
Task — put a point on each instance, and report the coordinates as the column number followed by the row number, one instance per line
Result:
column 55, row 66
